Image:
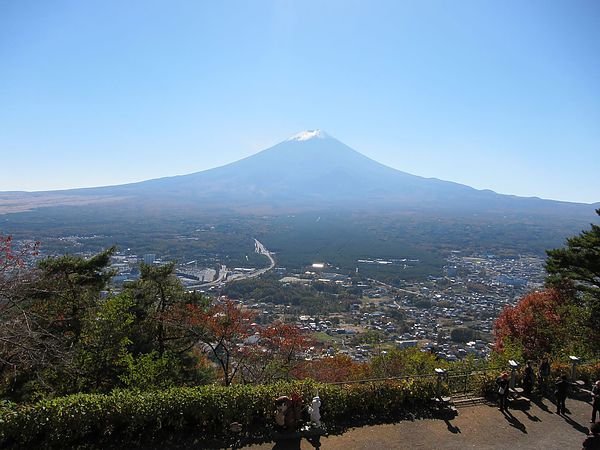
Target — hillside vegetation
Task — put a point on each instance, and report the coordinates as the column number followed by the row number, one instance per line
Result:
column 85, row 366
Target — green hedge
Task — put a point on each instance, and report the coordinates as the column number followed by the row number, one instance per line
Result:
column 201, row 414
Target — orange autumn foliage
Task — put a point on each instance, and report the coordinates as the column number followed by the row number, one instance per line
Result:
column 330, row 370
column 536, row 323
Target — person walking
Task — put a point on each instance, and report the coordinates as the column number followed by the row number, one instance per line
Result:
column 561, row 391
column 502, row 389
column 595, row 400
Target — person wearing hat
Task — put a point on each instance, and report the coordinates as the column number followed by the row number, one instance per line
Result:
column 595, row 400
column 502, row 389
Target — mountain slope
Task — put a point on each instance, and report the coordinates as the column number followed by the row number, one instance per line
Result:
column 311, row 170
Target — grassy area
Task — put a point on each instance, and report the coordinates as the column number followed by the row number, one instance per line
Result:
column 323, row 337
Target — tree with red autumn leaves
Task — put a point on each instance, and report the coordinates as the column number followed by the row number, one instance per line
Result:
column 278, row 350
column 564, row 318
column 337, row 368
column 539, row 324
column 225, row 330
column 240, row 347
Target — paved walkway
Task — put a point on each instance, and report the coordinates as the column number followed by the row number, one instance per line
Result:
column 476, row 427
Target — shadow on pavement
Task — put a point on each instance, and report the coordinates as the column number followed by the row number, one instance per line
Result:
column 452, row 428
column 574, row 424
column 514, row 422
column 539, row 402
column 287, row 444
column 294, row 443
column 532, row 418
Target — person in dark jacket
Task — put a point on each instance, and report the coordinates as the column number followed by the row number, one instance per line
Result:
column 502, row 389
column 561, row 391
column 544, row 374
column 595, row 400
column 528, row 379
column 592, row 442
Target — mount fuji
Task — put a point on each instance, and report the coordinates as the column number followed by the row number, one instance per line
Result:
column 309, row 171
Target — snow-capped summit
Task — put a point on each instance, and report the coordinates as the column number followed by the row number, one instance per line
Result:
column 310, row 171
column 308, row 134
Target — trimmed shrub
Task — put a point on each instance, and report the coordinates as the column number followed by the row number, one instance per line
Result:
column 202, row 416
column 127, row 418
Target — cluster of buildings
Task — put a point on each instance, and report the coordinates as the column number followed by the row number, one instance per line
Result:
column 468, row 297
column 427, row 314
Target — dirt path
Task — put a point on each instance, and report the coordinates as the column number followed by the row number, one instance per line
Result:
column 476, row 427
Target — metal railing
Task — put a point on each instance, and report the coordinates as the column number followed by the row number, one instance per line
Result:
column 453, row 382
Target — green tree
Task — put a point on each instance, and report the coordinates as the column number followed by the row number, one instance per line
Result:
column 158, row 295
column 404, row 362
column 60, row 296
column 164, row 351
column 577, row 267
column 104, row 344
column 150, row 371
column 578, row 262
column 463, row 334
column 61, row 331
column 67, row 287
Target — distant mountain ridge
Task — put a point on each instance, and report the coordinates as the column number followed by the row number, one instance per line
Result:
column 310, row 170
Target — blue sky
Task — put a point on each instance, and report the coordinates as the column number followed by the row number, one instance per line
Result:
column 497, row 95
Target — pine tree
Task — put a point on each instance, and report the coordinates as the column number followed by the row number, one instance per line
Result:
column 577, row 266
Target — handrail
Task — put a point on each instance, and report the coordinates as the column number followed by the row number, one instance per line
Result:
column 406, row 377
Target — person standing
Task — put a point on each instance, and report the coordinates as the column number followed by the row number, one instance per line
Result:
column 502, row 389
column 595, row 400
column 561, row 391
column 544, row 373
column 528, row 379
column 592, row 442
